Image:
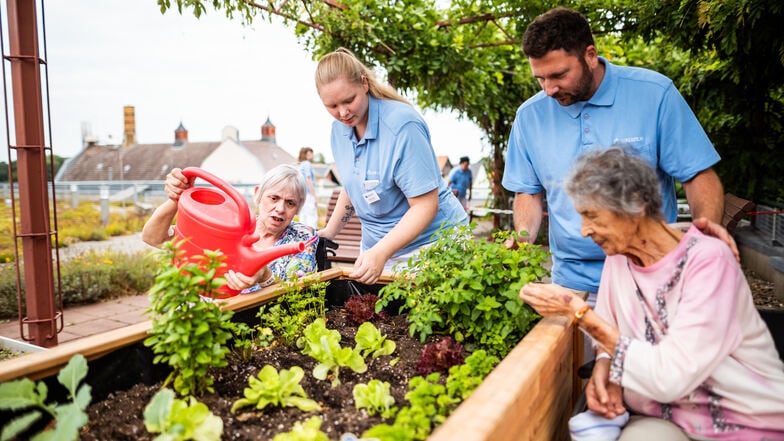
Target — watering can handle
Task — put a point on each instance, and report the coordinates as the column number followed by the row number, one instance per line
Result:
column 242, row 205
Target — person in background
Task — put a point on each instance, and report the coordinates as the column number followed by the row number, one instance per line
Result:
column 278, row 198
column 679, row 340
column 588, row 103
column 390, row 174
column 308, row 214
column 461, row 182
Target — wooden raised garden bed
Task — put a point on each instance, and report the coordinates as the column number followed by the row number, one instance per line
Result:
column 528, row 396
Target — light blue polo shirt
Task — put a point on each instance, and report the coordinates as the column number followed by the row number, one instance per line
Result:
column 392, row 162
column 633, row 107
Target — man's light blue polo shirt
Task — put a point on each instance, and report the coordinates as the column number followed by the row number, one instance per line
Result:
column 633, row 107
column 393, row 161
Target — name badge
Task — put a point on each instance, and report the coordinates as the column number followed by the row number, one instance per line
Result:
column 371, row 197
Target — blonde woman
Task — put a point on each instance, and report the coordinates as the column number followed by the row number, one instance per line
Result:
column 381, row 146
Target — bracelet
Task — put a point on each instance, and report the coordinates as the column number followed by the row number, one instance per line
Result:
column 602, row 355
column 268, row 282
column 580, row 313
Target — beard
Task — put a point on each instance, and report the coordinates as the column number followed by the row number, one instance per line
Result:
column 581, row 92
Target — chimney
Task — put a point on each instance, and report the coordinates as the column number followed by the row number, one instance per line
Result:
column 129, row 137
column 268, row 132
column 180, row 135
column 230, row 132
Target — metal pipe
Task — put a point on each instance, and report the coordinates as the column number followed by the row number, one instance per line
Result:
column 29, row 145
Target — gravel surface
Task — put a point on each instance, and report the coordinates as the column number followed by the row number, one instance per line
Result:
column 763, row 292
column 131, row 243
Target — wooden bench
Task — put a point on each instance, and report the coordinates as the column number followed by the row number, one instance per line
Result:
column 735, row 209
column 348, row 239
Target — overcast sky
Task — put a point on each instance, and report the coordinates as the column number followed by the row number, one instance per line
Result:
column 208, row 73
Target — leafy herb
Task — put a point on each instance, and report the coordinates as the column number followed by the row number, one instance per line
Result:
column 370, row 341
column 415, row 421
column 180, row 420
column 248, row 339
column 188, row 333
column 440, row 356
column 324, row 345
column 69, row 418
column 430, row 402
column 375, row 397
column 303, row 301
column 463, row 379
column 276, row 389
column 469, row 289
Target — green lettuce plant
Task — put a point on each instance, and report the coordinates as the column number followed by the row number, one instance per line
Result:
column 188, row 333
column 271, row 388
column 370, row 341
column 324, row 345
column 375, row 397
column 69, row 417
column 469, row 289
column 181, row 420
column 310, row 430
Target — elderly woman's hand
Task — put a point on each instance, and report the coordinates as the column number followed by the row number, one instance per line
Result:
column 551, row 300
column 601, row 396
column 176, row 183
column 238, row 281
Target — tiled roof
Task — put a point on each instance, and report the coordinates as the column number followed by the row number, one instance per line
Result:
column 269, row 154
column 151, row 162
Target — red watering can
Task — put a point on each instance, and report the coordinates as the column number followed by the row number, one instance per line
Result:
column 220, row 219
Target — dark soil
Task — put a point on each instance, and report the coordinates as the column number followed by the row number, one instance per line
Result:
column 121, row 415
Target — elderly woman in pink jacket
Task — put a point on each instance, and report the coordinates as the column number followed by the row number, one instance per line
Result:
column 679, row 341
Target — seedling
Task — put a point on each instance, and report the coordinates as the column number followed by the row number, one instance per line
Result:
column 25, row 394
column 181, row 420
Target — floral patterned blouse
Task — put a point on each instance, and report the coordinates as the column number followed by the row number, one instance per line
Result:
column 295, row 264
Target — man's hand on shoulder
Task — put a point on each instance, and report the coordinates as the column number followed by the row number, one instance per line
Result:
column 711, row 228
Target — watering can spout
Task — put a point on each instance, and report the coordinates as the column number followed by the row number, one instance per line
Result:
column 251, row 261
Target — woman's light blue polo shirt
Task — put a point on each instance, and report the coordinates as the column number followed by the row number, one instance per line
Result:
column 392, row 162
column 634, row 107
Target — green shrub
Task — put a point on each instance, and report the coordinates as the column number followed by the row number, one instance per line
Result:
column 87, row 278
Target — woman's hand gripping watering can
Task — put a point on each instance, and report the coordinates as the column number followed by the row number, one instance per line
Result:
column 219, row 219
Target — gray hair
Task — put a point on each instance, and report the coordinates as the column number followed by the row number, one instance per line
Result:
column 617, row 180
column 287, row 174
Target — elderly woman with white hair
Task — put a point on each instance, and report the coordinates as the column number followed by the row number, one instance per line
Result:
column 278, row 197
column 679, row 341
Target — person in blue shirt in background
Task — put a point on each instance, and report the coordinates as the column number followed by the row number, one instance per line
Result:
column 391, row 179
column 461, row 182
column 308, row 214
column 588, row 103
